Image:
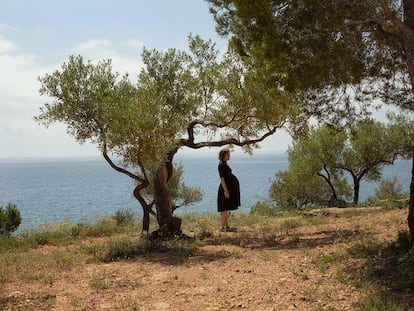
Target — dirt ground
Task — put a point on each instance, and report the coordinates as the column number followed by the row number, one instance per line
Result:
column 296, row 266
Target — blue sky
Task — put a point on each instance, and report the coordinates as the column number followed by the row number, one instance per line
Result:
column 37, row 36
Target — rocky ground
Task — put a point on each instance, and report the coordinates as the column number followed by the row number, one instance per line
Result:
column 297, row 263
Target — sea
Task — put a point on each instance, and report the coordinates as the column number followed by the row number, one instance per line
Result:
column 82, row 189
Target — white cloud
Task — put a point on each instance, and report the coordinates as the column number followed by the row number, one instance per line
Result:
column 123, row 60
column 20, row 135
column 136, row 44
column 6, row 46
column 6, row 27
column 94, row 47
column 18, row 78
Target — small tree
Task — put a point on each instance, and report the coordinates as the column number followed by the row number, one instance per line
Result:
column 293, row 189
column 389, row 189
column 312, row 178
column 10, row 219
column 371, row 146
column 318, row 162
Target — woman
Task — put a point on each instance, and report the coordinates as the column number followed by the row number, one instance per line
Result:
column 228, row 197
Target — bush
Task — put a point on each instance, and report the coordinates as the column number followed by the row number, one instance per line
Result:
column 389, row 189
column 10, row 219
column 264, row 209
column 123, row 217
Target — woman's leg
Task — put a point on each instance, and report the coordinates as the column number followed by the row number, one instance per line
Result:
column 224, row 216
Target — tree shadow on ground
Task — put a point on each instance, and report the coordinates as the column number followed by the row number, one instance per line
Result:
column 180, row 252
column 183, row 251
column 174, row 257
column 169, row 252
column 288, row 240
column 390, row 268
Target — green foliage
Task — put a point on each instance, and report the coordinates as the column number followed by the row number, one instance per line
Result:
column 10, row 219
column 324, row 263
column 264, row 209
column 294, row 188
column 124, row 217
column 403, row 242
column 125, row 249
column 389, row 189
column 67, row 232
column 366, row 247
column 376, row 303
column 319, row 163
column 178, row 95
column 401, row 130
column 206, row 225
column 181, row 194
column 389, row 195
column 334, row 53
column 312, row 178
column 291, row 223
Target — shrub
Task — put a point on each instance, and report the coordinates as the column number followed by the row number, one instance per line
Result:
column 206, row 225
column 264, row 209
column 10, row 219
column 389, row 189
column 123, row 217
column 389, row 193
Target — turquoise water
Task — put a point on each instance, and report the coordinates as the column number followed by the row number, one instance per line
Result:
column 56, row 190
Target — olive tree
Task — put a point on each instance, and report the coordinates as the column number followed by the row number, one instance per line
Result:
column 320, row 162
column 308, row 181
column 191, row 99
column 312, row 177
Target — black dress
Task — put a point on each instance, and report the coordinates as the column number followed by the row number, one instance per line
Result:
column 232, row 183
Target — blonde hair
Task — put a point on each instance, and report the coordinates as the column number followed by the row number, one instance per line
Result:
column 223, row 153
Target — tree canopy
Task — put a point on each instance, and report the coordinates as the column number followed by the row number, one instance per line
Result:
column 339, row 55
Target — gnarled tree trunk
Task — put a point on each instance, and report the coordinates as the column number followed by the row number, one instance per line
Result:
column 410, row 218
column 168, row 224
column 146, row 208
column 356, row 190
column 408, row 35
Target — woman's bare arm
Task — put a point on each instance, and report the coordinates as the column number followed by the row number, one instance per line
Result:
column 226, row 191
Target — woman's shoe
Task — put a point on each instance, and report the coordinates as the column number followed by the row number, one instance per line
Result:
column 227, row 229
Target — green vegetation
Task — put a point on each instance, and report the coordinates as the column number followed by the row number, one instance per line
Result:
column 375, row 303
column 264, row 209
column 124, row 217
column 320, row 162
column 386, row 267
column 10, row 219
column 389, row 194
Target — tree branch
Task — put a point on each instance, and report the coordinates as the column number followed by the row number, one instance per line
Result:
column 230, row 141
column 406, row 31
column 118, row 168
column 390, row 15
